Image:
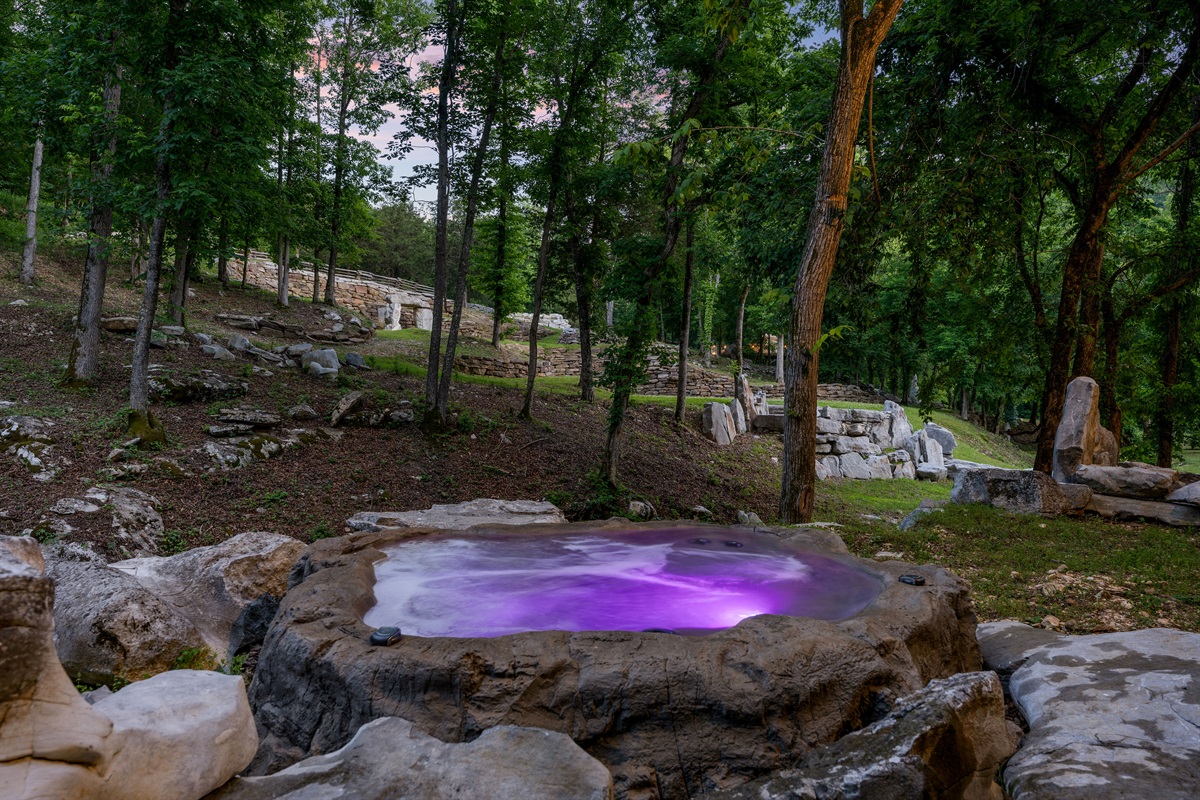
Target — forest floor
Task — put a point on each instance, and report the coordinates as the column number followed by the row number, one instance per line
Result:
column 1079, row 575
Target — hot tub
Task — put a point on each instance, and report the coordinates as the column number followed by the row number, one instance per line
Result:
column 799, row 645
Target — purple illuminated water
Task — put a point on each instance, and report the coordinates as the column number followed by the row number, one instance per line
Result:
column 689, row 580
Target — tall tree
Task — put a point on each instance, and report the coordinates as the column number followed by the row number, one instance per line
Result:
column 861, row 33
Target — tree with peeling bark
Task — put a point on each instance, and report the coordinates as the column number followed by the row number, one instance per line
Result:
column 861, row 32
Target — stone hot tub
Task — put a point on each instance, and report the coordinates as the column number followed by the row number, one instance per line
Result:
column 789, row 643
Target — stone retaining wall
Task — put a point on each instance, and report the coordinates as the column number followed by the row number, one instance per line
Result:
column 363, row 296
column 663, row 380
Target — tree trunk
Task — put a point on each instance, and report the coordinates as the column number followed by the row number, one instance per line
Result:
column 1110, row 411
column 741, row 358
column 1089, row 317
column 779, row 350
column 223, row 255
column 689, row 263
column 860, row 37
column 141, row 422
column 31, row 213
column 501, row 245
column 609, row 307
column 339, row 173
column 535, row 320
column 583, row 302
column 85, row 352
column 246, row 258
column 1165, row 417
column 284, row 272
column 1084, row 251
column 441, row 245
column 468, row 232
column 184, row 242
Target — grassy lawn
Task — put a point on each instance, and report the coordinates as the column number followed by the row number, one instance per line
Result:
column 1191, row 460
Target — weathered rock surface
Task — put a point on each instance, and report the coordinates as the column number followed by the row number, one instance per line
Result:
column 1080, row 438
column 135, row 517
column 901, row 428
column 249, row 416
column 1019, row 491
column 204, row 387
column 183, row 734
column 1146, row 482
column 109, row 626
column 119, row 324
column 346, row 405
column 1179, row 514
column 717, row 425
column 177, row 735
column 219, row 588
column 460, row 516
column 671, row 716
column 326, row 358
column 1113, row 715
column 389, row 759
column 943, row 437
column 30, row 442
column 218, row 352
column 738, row 412
column 944, row 741
column 1189, row 494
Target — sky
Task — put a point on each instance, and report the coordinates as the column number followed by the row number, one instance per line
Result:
column 425, row 153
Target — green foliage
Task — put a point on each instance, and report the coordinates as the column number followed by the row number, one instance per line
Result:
column 322, row 530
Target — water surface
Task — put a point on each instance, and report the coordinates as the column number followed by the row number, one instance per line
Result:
column 687, row 580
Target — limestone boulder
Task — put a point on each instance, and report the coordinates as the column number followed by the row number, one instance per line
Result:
column 899, row 427
column 109, row 626
column 50, row 739
column 852, row 465
column 879, row 467
column 716, row 423
column 1105, row 452
column 461, row 516
column 136, row 522
column 326, row 358
column 1145, row 482
column 904, row 470
column 946, row 741
column 1078, row 434
column 389, row 759
column 30, row 441
column 1019, row 491
column 1169, row 513
column 1189, row 494
column 224, row 590
column 184, row 733
column 738, row 413
column 177, row 735
column 1113, row 715
column 670, row 716
column 204, row 387
column 943, row 437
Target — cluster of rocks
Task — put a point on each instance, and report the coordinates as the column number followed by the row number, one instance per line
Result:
column 855, row 443
column 31, row 443
column 349, row 329
column 1087, row 475
column 317, row 362
column 512, row 361
column 178, row 734
column 137, row 524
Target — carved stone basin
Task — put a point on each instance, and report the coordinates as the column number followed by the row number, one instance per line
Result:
column 671, row 716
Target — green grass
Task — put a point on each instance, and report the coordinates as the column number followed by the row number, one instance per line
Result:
column 1191, row 460
column 1006, row 555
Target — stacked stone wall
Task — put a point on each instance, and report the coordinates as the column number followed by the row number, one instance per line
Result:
column 363, row 296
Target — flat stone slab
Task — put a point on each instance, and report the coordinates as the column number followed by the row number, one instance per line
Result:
column 460, row 516
column 1171, row 513
column 244, row 416
column 1111, row 715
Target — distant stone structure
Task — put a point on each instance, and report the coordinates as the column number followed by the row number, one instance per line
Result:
column 392, row 304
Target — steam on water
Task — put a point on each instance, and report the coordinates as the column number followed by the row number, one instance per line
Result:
column 691, row 581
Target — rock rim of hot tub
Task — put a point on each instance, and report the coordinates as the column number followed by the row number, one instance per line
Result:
column 670, row 716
